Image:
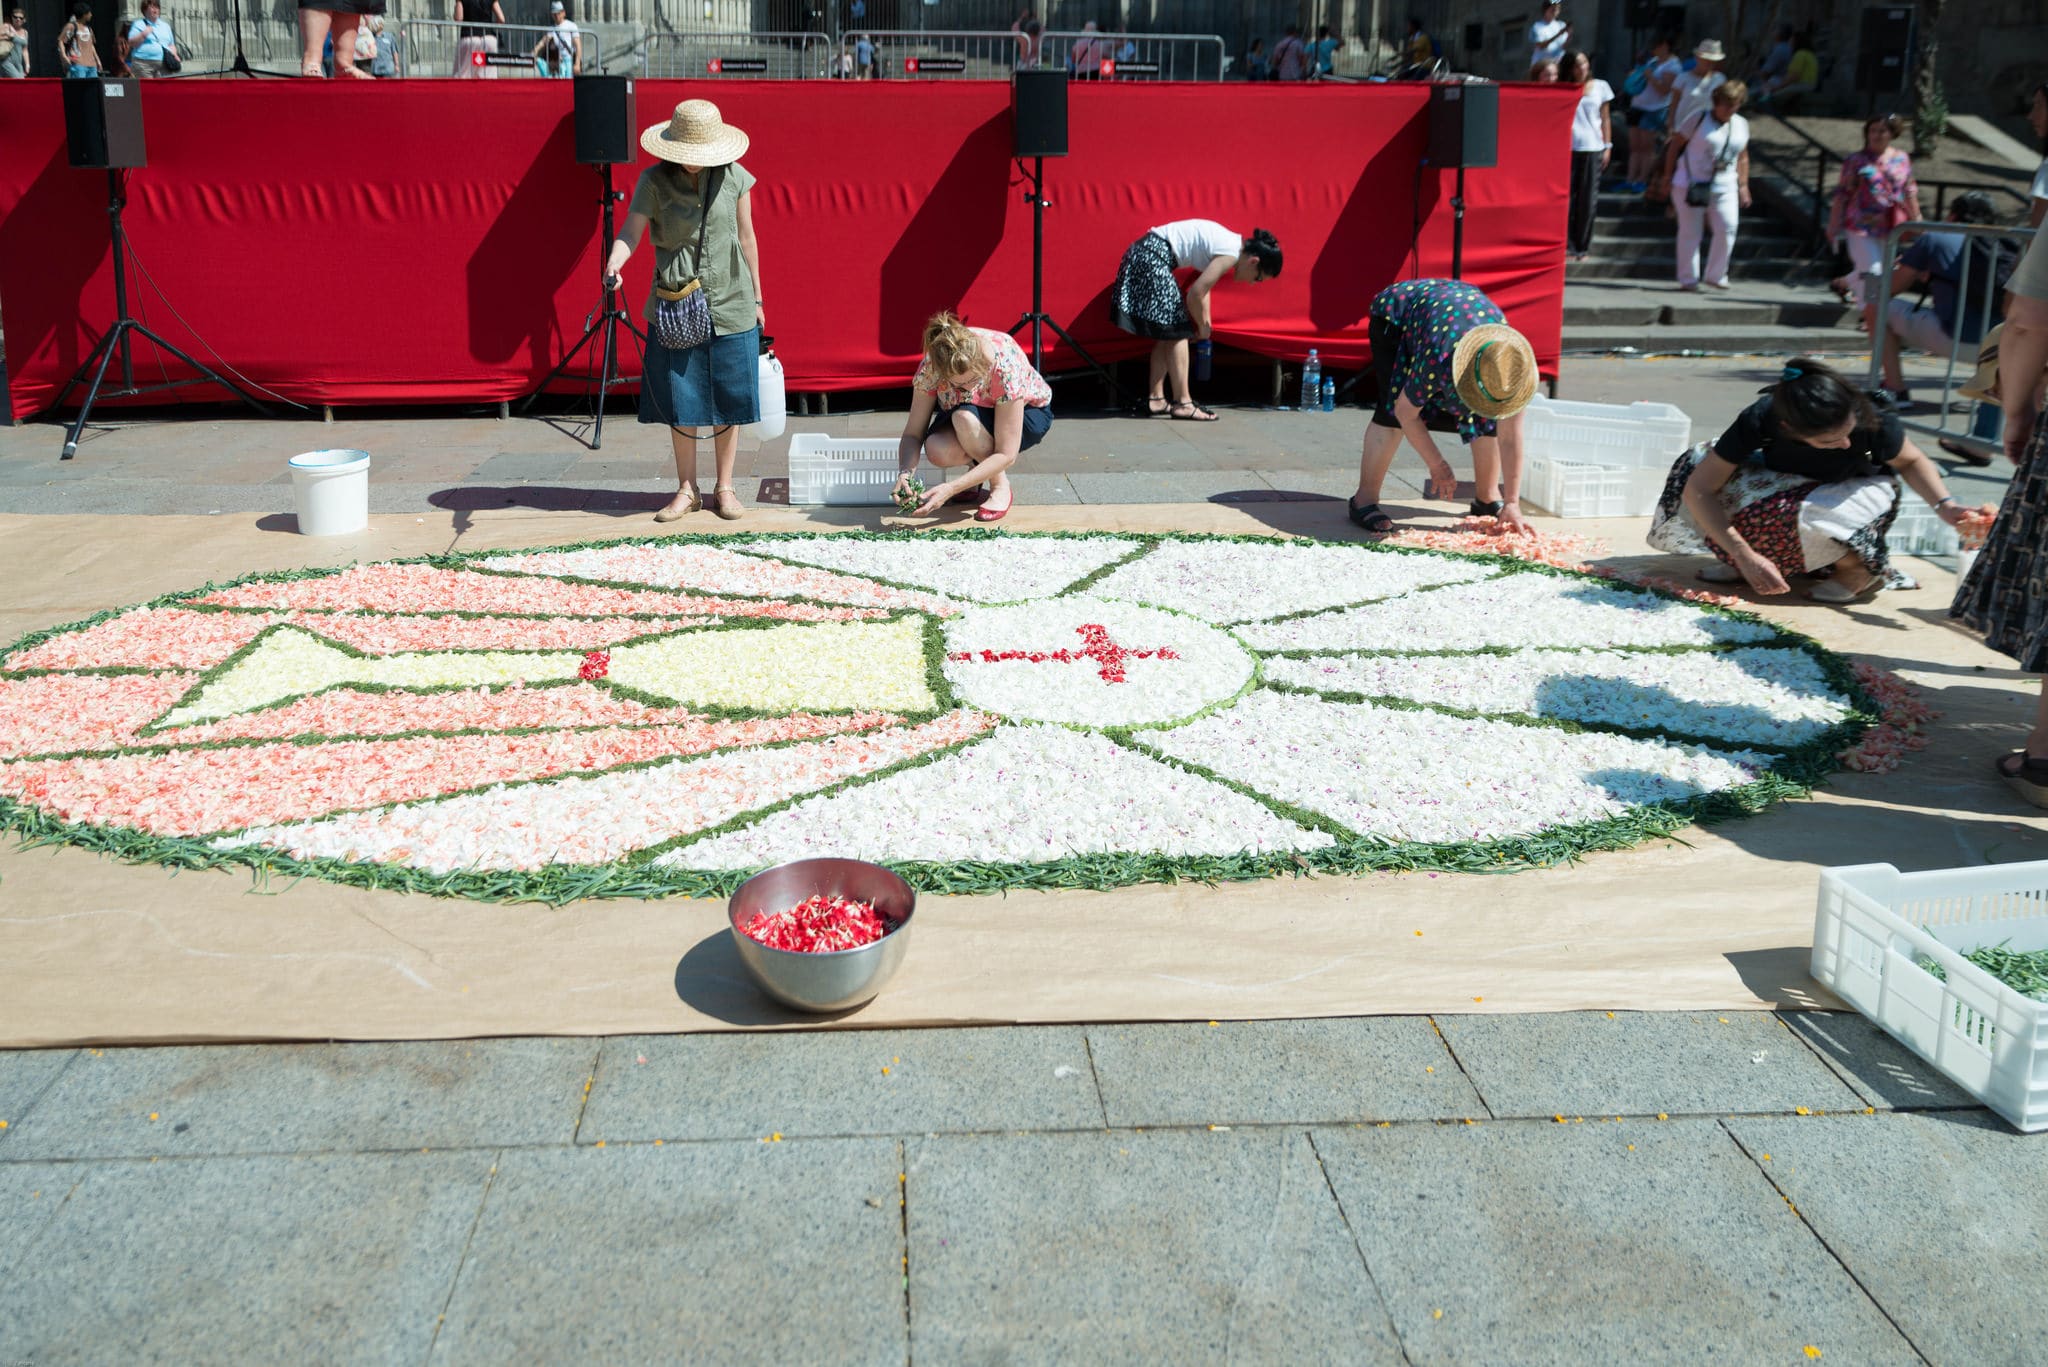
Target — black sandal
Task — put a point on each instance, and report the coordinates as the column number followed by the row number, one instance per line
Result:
column 1148, row 411
column 1371, row 518
column 1482, row 509
column 1194, row 412
column 2026, row 776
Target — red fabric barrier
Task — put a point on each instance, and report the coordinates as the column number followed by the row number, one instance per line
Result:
column 435, row 241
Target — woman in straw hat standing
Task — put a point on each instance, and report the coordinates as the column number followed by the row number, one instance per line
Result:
column 704, row 313
column 1443, row 350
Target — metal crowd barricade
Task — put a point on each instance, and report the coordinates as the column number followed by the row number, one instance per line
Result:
column 1137, row 56
column 451, row 48
column 941, row 54
column 1985, row 435
column 737, row 56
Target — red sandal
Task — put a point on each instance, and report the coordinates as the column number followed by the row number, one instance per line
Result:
column 988, row 514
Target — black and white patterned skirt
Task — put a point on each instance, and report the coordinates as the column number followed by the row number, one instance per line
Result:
column 1147, row 300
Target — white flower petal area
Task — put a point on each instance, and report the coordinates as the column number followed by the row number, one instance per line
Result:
column 1528, row 609
column 597, row 820
column 1755, row 695
column 1091, row 662
column 980, row 569
column 712, row 569
column 1243, row 581
column 1012, row 799
column 1401, row 775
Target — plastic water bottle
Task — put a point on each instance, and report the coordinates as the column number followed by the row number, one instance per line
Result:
column 1329, row 396
column 1204, row 354
column 1311, row 382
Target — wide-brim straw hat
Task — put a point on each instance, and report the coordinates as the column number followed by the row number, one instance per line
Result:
column 1710, row 50
column 1495, row 370
column 695, row 136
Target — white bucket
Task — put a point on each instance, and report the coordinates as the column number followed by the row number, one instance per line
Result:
column 332, row 491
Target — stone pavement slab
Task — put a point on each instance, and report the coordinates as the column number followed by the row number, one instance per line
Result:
column 1536, row 1242
column 735, row 1253
column 343, row 1259
column 24, row 1077
column 1121, row 1248
column 1639, row 1063
column 310, row 1098
column 1884, row 1072
column 1943, row 1218
column 525, row 465
column 839, row 1082
column 1278, row 1072
column 1192, row 486
column 31, row 1194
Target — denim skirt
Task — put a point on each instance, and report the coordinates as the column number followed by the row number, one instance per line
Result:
column 717, row 384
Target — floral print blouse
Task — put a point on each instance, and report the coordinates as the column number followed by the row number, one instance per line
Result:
column 1432, row 315
column 1010, row 377
column 1876, row 189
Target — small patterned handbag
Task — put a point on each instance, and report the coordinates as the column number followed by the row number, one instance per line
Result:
column 682, row 316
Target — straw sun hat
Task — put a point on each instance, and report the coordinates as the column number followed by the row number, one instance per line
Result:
column 695, row 136
column 1495, row 370
column 1711, row 50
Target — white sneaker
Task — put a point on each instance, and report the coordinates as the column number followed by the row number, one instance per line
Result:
column 1718, row 573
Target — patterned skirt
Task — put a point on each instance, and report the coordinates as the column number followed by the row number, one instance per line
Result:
column 1800, row 525
column 1146, row 300
column 2006, row 593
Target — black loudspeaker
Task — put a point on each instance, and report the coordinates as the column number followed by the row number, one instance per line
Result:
column 605, row 135
column 1884, row 43
column 103, row 124
column 1038, row 113
column 1464, row 125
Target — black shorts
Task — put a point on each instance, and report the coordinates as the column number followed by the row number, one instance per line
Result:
column 1037, row 422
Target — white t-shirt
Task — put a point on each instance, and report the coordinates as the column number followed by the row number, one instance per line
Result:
column 1650, row 97
column 1696, row 93
column 1547, row 40
column 1707, row 145
column 1198, row 241
column 563, row 50
column 1586, row 135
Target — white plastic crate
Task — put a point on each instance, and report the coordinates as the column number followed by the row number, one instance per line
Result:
column 843, row 471
column 1572, row 488
column 1637, row 435
column 1873, row 926
column 1918, row 531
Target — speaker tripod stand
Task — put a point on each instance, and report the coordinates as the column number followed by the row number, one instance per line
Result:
column 240, row 66
column 118, row 339
column 602, row 326
column 1036, row 317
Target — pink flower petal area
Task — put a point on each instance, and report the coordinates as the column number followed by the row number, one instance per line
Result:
column 51, row 714
column 427, row 588
column 353, row 712
column 192, row 792
column 182, row 638
column 597, row 820
column 1026, row 795
column 712, row 570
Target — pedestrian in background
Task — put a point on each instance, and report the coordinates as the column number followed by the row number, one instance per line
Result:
column 1874, row 194
column 320, row 20
column 385, row 60
column 1546, row 72
column 1030, row 39
column 1706, row 176
column 1649, row 109
column 1693, row 93
column 1549, row 36
column 1325, row 51
column 1256, row 68
column 1290, row 58
column 81, row 56
column 14, row 45
column 1592, row 148
column 473, row 41
column 560, row 50
column 148, row 45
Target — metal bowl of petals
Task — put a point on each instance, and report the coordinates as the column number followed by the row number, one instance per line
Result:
column 822, row 934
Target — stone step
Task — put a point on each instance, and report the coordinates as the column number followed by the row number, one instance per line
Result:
column 1774, row 250
column 1774, row 339
column 1754, row 225
column 1622, row 303
column 1758, row 272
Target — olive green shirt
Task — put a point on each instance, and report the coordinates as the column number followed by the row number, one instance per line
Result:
column 668, row 196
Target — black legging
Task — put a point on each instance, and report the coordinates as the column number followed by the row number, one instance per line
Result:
column 1585, row 196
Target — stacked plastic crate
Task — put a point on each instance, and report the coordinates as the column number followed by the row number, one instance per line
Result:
column 1600, row 459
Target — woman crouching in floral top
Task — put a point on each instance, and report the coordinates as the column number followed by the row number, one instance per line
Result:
column 976, row 405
